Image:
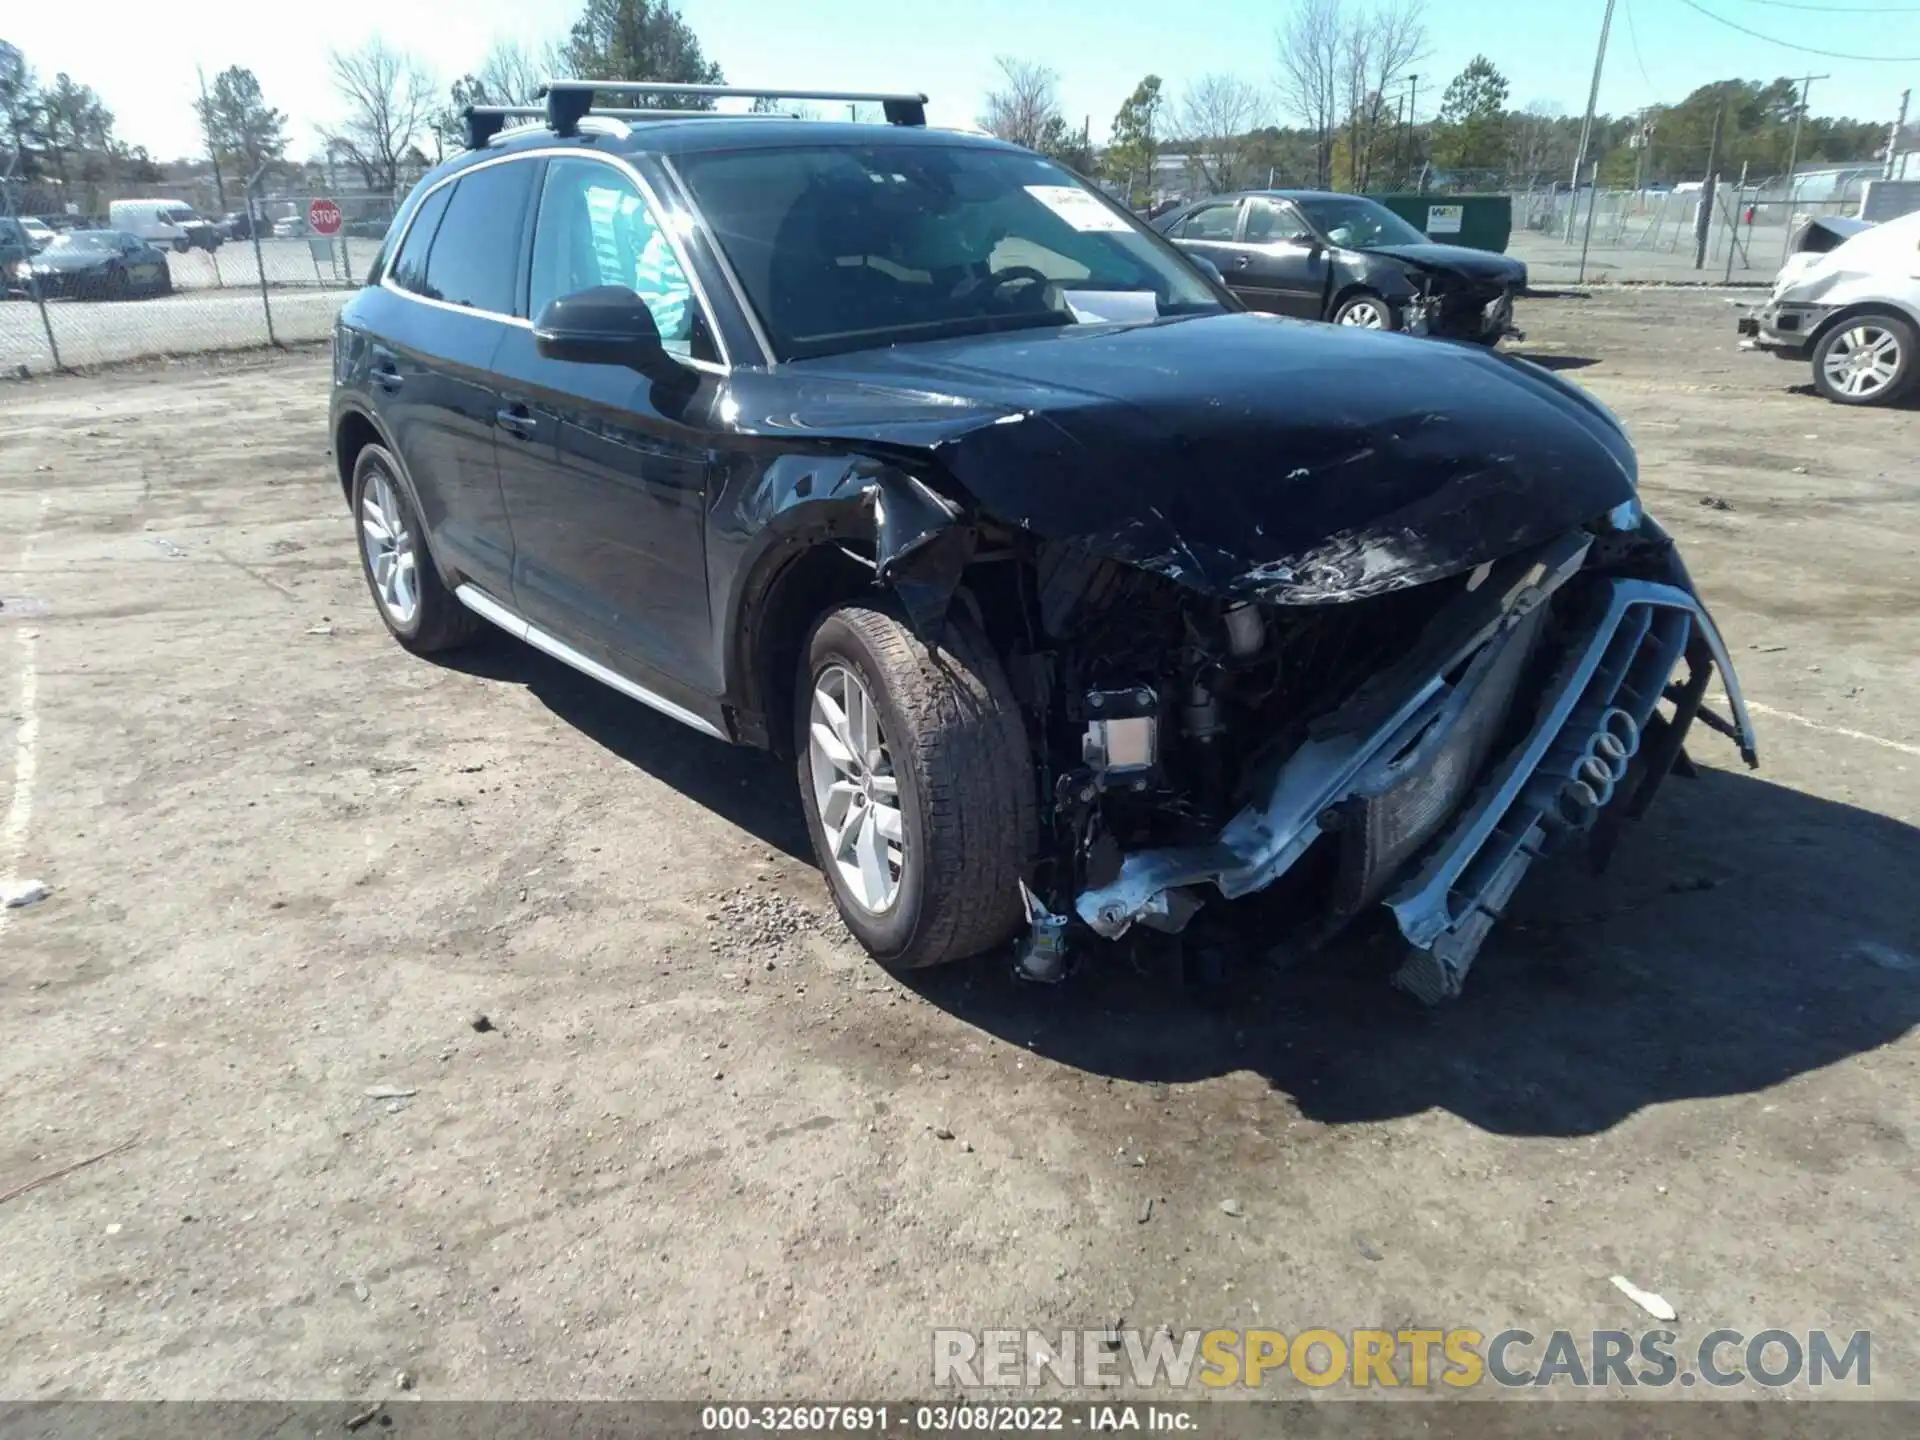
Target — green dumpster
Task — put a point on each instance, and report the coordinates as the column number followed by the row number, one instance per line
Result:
column 1483, row 222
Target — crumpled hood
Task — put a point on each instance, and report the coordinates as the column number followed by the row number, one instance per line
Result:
column 1879, row 262
column 1240, row 454
column 1457, row 260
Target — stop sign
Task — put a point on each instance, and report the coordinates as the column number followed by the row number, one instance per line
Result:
column 323, row 217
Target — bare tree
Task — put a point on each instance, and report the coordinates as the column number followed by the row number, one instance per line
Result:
column 1027, row 107
column 389, row 103
column 1309, row 43
column 1211, row 124
column 1356, row 99
column 1396, row 43
column 513, row 70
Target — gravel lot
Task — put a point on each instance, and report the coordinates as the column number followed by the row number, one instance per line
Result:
column 696, row 1148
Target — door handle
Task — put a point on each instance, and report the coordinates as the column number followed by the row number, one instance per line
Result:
column 517, row 421
column 385, row 375
column 1241, row 262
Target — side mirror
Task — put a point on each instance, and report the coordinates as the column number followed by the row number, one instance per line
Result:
column 1207, row 268
column 1302, row 237
column 607, row 325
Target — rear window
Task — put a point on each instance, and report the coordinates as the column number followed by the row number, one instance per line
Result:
column 473, row 258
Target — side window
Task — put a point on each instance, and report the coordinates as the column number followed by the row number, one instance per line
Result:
column 1266, row 222
column 594, row 229
column 409, row 268
column 1209, row 222
column 472, row 262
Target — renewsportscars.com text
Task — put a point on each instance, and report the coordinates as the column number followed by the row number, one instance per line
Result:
column 1458, row 1358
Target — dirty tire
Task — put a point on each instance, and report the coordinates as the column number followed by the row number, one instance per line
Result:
column 959, row 750
column 439, row 621
column 1349, row 310
column 1898, row 332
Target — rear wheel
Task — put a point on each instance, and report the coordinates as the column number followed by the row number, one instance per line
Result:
column 419, row 611
column 1866, row 360
column 918, row 788
column 1366, row 311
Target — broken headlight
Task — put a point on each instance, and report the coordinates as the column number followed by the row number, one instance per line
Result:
column 1122, row 739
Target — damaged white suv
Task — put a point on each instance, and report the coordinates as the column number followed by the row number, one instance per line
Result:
column 1852, row 309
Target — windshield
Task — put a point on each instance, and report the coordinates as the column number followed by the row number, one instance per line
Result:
column 1351, row 220
column 845, row 247
column 85, row 240
column 180, row 215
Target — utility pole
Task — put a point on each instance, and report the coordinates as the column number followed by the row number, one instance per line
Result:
column 1703, row 222
column 1893, row 135
column 1413, row 119
column 1793, row 161
column 1586, row 125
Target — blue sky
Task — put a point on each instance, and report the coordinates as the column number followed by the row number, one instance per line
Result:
column 143, row 61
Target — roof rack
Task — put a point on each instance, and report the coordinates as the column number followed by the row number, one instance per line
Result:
column 568, row 101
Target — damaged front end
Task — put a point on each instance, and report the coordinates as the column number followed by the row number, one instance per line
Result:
column 1417, row 749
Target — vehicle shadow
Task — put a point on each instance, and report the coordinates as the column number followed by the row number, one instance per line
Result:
column 750, row 788
column 1745, row 933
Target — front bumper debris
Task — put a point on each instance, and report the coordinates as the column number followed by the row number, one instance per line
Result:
column 1593, row 749
column 1785, row 328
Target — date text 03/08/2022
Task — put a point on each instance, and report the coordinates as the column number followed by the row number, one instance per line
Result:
column 943, row 1419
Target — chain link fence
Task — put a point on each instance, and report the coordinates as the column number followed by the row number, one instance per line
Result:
column 201, row 280
column 1656, row 235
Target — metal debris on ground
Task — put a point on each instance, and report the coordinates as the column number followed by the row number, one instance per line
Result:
column 1233, row 1208
column 18, row 894
column 1714, row 502
column 1146, row 1210
column 1653, row 1304
column 390, row 1092
column 482, row 1024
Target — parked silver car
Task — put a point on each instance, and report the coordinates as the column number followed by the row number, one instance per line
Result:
column 1852, row 309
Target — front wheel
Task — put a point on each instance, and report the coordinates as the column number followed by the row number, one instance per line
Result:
column 1366, row 311
column 917, row 784
column 1866, row 360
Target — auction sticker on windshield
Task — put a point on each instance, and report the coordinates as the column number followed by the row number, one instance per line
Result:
column 1076, row 207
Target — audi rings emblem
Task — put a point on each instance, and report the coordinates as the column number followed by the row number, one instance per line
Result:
column 1601, row 767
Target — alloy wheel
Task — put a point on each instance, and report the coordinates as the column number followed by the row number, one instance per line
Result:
column 1862, row 360
column 1366, row 314
column 392, row 556
column 855, row 790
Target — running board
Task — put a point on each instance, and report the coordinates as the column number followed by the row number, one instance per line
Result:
column 488, row 608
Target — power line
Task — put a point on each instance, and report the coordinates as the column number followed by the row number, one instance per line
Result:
column 1633, row 34
column 1839, row 9
column 1804, row 49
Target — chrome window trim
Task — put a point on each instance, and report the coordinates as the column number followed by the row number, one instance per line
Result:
column 547, row 152
column 752, row 316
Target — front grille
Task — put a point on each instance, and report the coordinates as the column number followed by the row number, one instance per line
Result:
column 1626, row 658
column 1382, row 831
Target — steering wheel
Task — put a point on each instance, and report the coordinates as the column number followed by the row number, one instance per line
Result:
column 1000, row 280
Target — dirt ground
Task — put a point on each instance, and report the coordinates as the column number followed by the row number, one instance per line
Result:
column 697, row 1151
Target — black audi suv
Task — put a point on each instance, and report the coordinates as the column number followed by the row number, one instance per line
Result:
column 1082, row 598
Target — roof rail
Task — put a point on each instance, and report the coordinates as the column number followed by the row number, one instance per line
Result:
column 570, row 100
column 486, row 121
